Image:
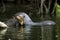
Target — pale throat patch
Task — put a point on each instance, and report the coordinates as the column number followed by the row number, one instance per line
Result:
column 21, row 20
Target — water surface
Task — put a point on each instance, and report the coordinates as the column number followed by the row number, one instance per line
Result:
column 29, row 33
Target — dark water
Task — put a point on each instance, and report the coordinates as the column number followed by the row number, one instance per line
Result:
column 58, row 28
column 28, row 33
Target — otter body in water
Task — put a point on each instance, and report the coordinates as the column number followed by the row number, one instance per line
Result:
column 12, row 22
column 22, row 18
column 25, row 19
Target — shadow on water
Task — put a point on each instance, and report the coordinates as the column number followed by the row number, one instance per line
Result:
column 29, row 33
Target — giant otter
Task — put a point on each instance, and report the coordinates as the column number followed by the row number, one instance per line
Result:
column 22, row 18
column 25, row 19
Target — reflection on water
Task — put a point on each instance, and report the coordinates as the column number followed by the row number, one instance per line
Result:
column 13, row 34
column 33, row 33
column 28, row 33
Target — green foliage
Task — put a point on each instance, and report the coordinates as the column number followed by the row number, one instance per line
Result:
column 57, row 10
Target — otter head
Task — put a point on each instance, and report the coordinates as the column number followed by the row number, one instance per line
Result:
column 23, row 18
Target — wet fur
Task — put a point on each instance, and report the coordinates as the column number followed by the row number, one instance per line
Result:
column 12, row 22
